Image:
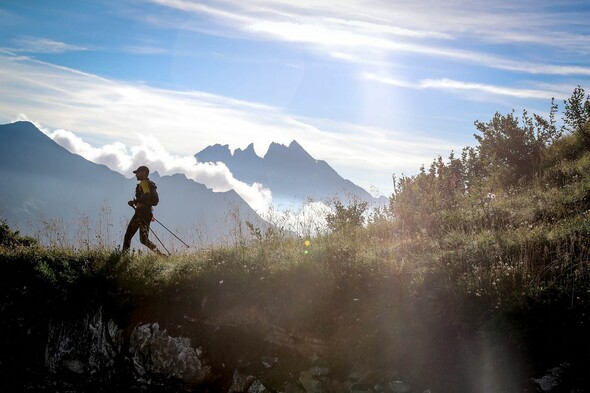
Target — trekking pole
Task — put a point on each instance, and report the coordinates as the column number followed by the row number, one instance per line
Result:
column 155, row 219
column 152, row 231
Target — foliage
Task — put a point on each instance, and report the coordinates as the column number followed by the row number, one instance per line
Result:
column 507, row 221
column 512, row 149
column 12, row 239
column 577, row 115
column 346, row 218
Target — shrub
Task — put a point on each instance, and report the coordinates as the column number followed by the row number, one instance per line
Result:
column 12, row 239
column 346, row 218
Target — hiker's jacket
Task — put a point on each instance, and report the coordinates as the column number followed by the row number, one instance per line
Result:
column 143, row 194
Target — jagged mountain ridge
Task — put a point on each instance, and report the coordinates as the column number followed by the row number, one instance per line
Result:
column 42, row 181
column 290, row 172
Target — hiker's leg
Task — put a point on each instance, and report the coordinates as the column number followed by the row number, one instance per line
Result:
column 144, row 231
column 133, row 226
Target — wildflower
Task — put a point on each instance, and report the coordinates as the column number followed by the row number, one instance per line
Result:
column 220, row 282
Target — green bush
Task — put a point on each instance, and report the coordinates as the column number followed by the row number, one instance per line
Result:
column 12, row 239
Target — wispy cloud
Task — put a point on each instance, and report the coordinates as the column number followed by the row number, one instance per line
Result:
column 360, row 31
column 548, row 92
column 44, row 45
column 448, row 84
column 145, row 50
column 105, row 112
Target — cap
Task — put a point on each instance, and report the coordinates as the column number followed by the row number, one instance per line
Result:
column 142, row 168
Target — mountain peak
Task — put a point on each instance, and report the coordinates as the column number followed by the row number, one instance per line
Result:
column 247, row 153
column 23, row 136
column 295, row 145
column 293, row 151
column 289, row 171
column 25, row 129
column 214, row 153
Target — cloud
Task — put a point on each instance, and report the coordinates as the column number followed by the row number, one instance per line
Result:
column 361, row 31
column 123, row 159
column 44, row 45
column 453, row 85
column 183, row 121
column 128, row 120
column 448, row 84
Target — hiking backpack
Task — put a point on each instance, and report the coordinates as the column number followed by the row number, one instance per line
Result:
column 155, row 198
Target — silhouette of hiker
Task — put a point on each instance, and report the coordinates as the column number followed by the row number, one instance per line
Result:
column 146, row 197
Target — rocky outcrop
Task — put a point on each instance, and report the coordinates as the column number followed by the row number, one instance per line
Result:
column 154, row 352
column 92, row 348
column 86, row 347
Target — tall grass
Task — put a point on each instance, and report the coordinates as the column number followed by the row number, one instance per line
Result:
column 506, row 248
column 371, row 297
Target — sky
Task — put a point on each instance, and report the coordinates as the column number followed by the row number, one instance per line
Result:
column 373, row 87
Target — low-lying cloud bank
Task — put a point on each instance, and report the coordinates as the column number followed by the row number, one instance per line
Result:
column 124, row 159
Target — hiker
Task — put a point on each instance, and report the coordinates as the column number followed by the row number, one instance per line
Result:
column 146, row 197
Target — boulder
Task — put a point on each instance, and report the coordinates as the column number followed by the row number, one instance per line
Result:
column 554, row 380
column 87, row 347
column 240, row 382
column 155, row 353
column 257, row 387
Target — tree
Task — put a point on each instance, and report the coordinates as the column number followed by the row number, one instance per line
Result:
column 577, row 114
column 512, row 150
column 346, row 218
column 11, row 239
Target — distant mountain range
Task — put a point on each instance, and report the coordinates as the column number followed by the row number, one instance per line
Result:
column 45, row 190
column 288, row 171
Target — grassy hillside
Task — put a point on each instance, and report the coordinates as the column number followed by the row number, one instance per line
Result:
column 475, row 278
